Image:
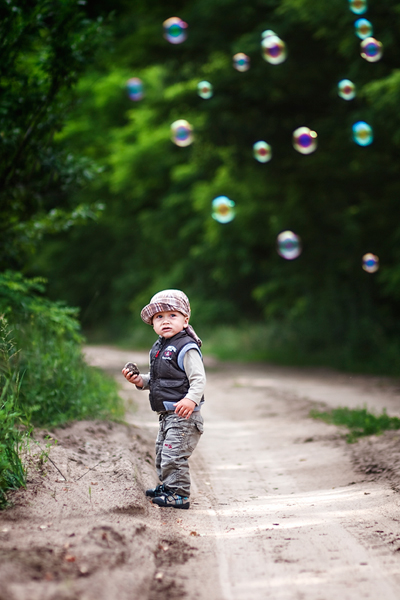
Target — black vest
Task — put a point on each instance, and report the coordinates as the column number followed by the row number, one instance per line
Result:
column 168, row 380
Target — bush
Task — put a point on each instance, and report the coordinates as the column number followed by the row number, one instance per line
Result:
column 56, row 383
column 46, row 382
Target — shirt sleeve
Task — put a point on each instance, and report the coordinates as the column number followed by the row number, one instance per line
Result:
column 146, row 381
column 196, row 374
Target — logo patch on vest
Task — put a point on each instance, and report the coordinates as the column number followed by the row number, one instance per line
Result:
column 168, row 352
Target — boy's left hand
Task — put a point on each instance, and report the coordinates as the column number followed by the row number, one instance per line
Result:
column 185, row 407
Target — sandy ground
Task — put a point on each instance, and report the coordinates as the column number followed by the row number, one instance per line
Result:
column 281, row 508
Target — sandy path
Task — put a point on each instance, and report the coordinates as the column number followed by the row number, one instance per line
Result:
column 279, row 509
column 278, row 494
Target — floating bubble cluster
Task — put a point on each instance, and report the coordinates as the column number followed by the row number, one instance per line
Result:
column 181, row 133
column 363, row 28
column 205, row 90
column 288, row 245
column 371, row 49
column 304, row 140
column 362, row 133
column 358, row 7
column 223, row 209
column 241, row 62
column 273, row 48
column 175, row 30
column 370, row 263
column 346, row 89
column 262, row 152
column 135, row 88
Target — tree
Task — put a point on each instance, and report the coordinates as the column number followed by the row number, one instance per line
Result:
column 46, row 45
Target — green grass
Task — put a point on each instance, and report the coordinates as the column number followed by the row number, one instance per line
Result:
column 358, row 421
column 13, row 436
column 58, row 386
column 44, row 379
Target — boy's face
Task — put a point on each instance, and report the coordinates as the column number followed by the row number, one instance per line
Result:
column 169, row 323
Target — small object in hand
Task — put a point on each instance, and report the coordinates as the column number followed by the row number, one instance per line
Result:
column 133, row 368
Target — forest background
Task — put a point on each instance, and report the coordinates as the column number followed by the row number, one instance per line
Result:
column 154, row 227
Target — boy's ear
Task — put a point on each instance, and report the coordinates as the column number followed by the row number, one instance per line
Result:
column 186, row 322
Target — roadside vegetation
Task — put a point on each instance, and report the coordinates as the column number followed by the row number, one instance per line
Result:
column 359, row 422
column 44, row 378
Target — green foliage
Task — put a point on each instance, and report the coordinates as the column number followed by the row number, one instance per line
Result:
column 44, row 379
column 157, row 230
column 359, row 421
column 12, row 436
column 46, row 45
column 56, row 383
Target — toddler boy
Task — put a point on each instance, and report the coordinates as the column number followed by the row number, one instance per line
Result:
column 176, row 381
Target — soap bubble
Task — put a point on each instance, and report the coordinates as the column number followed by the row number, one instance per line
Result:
column 370, row 263
column 205, row 90
column 362, row 133
column 371, row 49
column 288, row 245
column 267, row 33
column 346, row 89
column 135, row 88
column 262, row 152
column 273, row 49
column 223, row 209
column 304, row 140
column 241, row 62
column 175, row 30
column 181, row 133
column 363, row 28
column 358, row 7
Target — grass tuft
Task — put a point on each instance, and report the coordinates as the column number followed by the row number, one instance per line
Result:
column 358, row 421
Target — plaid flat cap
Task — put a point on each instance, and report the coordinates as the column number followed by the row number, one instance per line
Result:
column 166, row 300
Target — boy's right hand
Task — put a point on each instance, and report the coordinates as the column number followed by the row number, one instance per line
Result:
column 134, row 378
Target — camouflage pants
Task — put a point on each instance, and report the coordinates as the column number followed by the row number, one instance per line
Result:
column 176, row 440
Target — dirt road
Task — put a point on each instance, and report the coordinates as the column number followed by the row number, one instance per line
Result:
column 282, row 508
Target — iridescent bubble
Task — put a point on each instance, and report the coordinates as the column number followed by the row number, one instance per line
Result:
column 135, row 88
column 288, row 245
column 273, row 49
column 262, row 152
column 205, row 90
column 181, row 133
column 370, row 263
column 223, row 209
column 358, row 7
column 371, row 49
column 362, row 133
column 346, row 89
column 175, row 30
column 363, row 28
column 241, row 62
column 267, row 33
column 304, row 140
